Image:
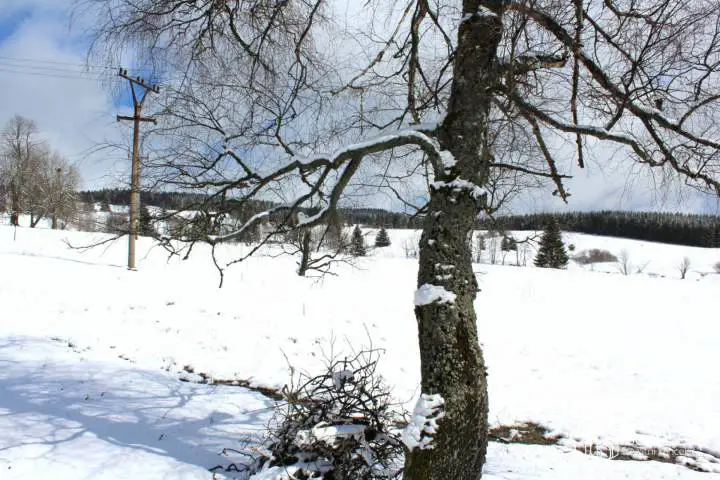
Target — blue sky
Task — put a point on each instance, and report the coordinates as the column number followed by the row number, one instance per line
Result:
column 9, row 24
column 41, row 57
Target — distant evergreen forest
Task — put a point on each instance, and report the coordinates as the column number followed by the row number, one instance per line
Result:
column 166, row 200
column 371, row 217
column 673, row 228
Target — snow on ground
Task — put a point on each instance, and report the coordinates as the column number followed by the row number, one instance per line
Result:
column 655, row 259
column 597, row 357
column 76, row 413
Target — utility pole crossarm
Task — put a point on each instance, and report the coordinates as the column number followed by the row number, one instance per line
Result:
column 140, row 119
column 138, row 81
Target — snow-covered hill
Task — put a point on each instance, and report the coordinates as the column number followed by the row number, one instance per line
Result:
column 92, row 353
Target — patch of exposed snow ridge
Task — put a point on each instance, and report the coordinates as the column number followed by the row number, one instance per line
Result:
column 428, row 293
column 423, row 424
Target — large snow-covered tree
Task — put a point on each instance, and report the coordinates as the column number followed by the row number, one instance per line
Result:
column 21, row 156
column 450, row 94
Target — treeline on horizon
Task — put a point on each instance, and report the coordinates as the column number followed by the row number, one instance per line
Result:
column 371, row 217
column 687, row 229
column 664, row 227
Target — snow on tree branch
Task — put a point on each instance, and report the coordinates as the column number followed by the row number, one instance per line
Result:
column 350, row 157
column 459, row 184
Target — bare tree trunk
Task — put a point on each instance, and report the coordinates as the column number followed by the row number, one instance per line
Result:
column 34, row 220
column 305, row 253
column 15, row 216
column 451, row 359
column 54, row 222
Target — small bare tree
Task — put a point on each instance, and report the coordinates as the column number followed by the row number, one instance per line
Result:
column 684, row 267
column 624, row 264
column 56, row 186
column 411, row 246
column 523, row 251
column 480, row 247
column 317, row 249
column 492, row 246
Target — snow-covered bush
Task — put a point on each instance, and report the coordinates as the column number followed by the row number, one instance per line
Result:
column 339, row 425
column 717, row 267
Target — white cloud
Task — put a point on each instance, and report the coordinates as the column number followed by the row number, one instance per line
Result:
column 73, row 109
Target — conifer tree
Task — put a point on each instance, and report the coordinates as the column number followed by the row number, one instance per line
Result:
column 145, row 224
column 508, row 244
column 382, row 239
column 357, row 244
column 552, row 252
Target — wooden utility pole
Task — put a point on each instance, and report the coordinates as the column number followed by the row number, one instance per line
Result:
column 137, row 118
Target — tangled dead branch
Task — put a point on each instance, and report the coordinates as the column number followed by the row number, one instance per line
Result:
column 339, row 425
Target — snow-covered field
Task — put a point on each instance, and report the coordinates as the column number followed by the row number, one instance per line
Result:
column 91, row 354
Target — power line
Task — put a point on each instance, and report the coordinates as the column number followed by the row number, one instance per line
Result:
column 61, row 73
column 68, row 75
column 50, row 67
column 54, row 68
column 56, row 62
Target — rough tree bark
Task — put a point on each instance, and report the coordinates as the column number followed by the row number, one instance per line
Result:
column 451, row 359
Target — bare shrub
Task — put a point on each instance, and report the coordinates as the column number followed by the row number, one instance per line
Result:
column 411, row 246
column 492, row 246
column 683, row 267
column 115, row 222
column 641, row 268
column 522, row 252
column 85, row 218
column 624, row 264
column 594, row 255
column 626, row 267
column 339, row 424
